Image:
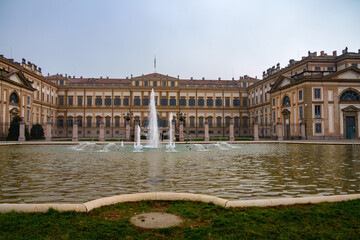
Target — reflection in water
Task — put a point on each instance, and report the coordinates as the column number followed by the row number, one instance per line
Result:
column 65, row 174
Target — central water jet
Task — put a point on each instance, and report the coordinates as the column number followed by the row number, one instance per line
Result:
column 153, row 123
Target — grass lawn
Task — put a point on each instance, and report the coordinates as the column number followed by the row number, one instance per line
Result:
column 201, row 221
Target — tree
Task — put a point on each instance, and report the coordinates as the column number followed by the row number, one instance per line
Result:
column 14, row 130
column 37, row 132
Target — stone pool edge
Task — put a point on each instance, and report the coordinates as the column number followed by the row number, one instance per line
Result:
column 171, row 196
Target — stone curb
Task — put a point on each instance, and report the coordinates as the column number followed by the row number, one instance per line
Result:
column 171, row 196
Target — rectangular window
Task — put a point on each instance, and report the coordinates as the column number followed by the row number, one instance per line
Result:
column 61, row 82
column 52, row 99
column 137, row 101
column 210, row 122
column 209, row 102
column 317, row 93
column 164, row 83
column 163, row 102
column 300, row 95
column 126, row 101
column 244, row 102
column 79, row 121
column 218, row 102
column 317, row 111
column 236, row 122
column 155, row 84
column 244, row 84
column 79, row 101
column 172, row 102
column 69, row 122
column 117, row 122
column 227, row 122
column 182, row 102
column 28, row 99
column 108, row 101
column 136, row 83
column 318, row 128
column 201, row 102
column 301, row 114
column 192, row 122
column 236, row 102
column 117, row 101
column 70, row 101
column 227, row 102
column 173, row 84
column 88, row 122
column 61, row 101
column 146, row 83
column 330, row 68
column 145, row 101
column 28, row 115
column 317, row 68
column 201, row 122
column 98, row 101
column 89, row 101
column 273, row 102
column 354, row 64
column 273, row 116
column 60, row 123
column 191, row 102
column 107, row 122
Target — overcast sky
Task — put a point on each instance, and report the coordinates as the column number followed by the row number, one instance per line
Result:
column 190, row 38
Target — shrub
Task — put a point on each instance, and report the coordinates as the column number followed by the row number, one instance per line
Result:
column 37, row 132
column 14, row 130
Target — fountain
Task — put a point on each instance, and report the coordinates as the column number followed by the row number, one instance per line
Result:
column 171, row 145
column 153, row 123
column 137, row 146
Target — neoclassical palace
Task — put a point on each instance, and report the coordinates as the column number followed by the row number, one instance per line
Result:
column 317, row 97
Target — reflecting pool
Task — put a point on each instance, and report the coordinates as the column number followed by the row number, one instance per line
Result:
column 69, row 174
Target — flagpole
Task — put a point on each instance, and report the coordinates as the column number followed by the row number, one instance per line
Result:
column 155, row 64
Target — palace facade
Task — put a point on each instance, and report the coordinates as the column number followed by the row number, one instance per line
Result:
column 317, row 97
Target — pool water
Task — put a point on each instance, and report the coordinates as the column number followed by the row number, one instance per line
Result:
column 72, row 174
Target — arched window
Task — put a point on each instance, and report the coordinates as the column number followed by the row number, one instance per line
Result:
column 286, row 101
column 14, row 98
column 350, row 95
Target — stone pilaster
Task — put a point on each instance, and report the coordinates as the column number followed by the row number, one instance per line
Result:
column 136, row 132
column 181, row 132
column 231, row 131
column 127, row 131
column 22, row 131
column 207, row 138
column 102, row 132
column 48, row 130
column 279, row 131
column 75, row 134
column 256, row 131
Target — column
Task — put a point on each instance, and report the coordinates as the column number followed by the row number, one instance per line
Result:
column 75, row 134
column 207, row 138
column 48, row 130
column 22, row 131
column 231, row 130
column 102, row 131
column 181, row 131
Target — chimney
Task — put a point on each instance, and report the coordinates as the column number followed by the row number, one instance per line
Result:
column 358, row 50
column 203, row 78
column 233, row 78
column 322, row 53
column 131, row 76
column 66, row 75
column 292, row 61
column 80, row 76
column 191, row 78
column 219, row 78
